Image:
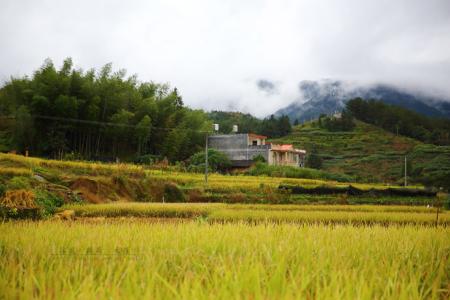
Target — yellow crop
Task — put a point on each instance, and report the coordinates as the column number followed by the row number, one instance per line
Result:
column 195, row 260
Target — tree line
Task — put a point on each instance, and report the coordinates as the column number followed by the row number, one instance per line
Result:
column 99, row 115
column 401, row 121
column 344, row 122
column 105, row 114
column 271, row 126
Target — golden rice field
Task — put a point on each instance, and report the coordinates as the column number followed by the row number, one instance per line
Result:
column 19, row 165
column 130, row 250
column 219, row 212
column 197, row 260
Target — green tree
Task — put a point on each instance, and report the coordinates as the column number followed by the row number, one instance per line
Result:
column 24, row 130
column 143, row 132
column 217, row 161
column 120, row 129
column 70, row 110
column 314, row 160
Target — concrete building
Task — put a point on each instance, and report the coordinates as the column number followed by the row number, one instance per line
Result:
column 243, row 147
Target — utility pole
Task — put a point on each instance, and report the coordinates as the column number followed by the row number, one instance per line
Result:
column 206, row 159
column 406, row 182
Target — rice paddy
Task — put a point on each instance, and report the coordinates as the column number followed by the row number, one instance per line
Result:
column 224, row 250
column 20, row 165
column 218, row 212
column 196, row 260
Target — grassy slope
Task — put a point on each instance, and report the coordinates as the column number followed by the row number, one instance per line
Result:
column 368, row 153
column 99, row 182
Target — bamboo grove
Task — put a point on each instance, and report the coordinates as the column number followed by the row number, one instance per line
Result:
column 98, row 115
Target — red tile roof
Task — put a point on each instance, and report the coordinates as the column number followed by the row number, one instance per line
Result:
column 286, row 148
column 257, row 136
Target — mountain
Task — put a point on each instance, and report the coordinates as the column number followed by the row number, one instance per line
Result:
column 328, row 97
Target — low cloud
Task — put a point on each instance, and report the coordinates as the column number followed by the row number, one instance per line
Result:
column 266, row 86
column 215, row 51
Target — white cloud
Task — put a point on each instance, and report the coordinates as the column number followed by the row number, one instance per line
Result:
column 216, row 51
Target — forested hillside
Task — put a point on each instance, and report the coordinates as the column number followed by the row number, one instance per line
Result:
column 400, row 120
column 371, row 154
column 96, row 115
column 271, row 126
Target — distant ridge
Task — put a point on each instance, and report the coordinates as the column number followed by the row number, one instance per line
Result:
column 329, row 96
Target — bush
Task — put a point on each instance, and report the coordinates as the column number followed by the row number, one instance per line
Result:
column 314, row 160
column 147, row 159
column 2, row 189
column 19, row 183
column 447, row 203
column 344, row 123
column 48, row 202
column 72, row 156
column 259, row 158
column 294, row 172
column 217, row 161
column 172, row 193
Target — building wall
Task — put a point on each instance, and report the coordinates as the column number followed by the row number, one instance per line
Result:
column 236, row 147
column 285, row 159
column 258, row 141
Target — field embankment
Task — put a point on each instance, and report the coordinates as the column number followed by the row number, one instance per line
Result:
column 37, row 187
column 263, row 213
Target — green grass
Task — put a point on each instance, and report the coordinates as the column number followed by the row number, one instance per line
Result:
column 138, row 260
column 262, row 169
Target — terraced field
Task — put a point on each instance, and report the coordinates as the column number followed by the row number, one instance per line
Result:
column 371, row 154
column 100, row 182
column 300, row 214
column 101, row 243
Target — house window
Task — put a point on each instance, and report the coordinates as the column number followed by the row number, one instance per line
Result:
column 255, row 143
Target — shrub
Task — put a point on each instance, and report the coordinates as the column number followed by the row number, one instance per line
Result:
column 314, row 160
column 72, row 156
column 172, row 193
column 294, row 172
column 48, row 202
column 18, row 183
column 147, row 159
column 259, row 158
column 2, row 190
column 344, row 123
column 217, row 161
column 447, row 203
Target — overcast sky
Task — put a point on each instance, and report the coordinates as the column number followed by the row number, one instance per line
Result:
column 246, row 55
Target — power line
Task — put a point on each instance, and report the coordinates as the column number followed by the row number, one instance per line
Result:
column 107, row 123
